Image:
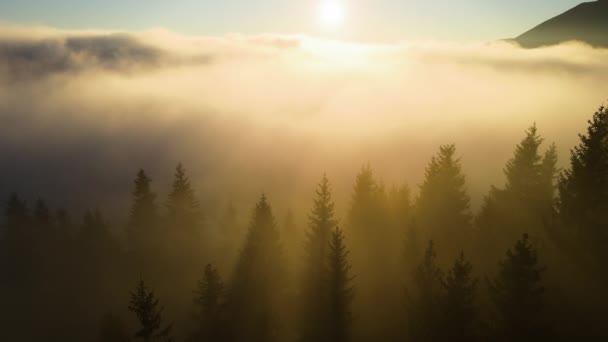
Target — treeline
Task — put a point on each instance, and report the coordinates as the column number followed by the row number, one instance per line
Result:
column 529, row 266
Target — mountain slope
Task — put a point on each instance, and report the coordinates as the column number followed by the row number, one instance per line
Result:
column 587, row 22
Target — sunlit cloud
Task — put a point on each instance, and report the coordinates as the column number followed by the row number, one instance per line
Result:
column 220, row 104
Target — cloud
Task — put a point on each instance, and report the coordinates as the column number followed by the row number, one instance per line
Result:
column 31, row 59
column 81, row 111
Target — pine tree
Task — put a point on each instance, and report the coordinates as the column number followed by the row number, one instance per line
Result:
column 442, row 208
column 340, row 290
column 183, row 207
column 185, row 239
column 459, row 310
column 423, row 300
column 210, row 306
column 259, row 280
column 526, row 203
column 316, row 250
column 523, row 170
column 143, row 228
column 517, row 293
column 364, row 209
column 146, row 307
column 583, row 190
column 375, row 249
column 144, row 211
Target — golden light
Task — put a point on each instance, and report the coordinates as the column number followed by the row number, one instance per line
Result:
column 331, row 14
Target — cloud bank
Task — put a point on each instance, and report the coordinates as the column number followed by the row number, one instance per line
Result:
column 81, row 111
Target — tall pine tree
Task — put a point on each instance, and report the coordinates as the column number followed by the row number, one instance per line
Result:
column 258, row 283
column 583, row 190
column 340, row 291
column 423, row 299
column 526, row 203
column 210, row 307
column 316, row 250
column 460, row 322
column 517, row 293
column 442, row 208
column 143, row 228
column 145, row 306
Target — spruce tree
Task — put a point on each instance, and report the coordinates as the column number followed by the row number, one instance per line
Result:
column 363, row 214
column 146, row 308
column 144, row 211
column 523, row 170
column 340, row 291
column 210, row 307
column 185, row 235
column 423, row 299
column 259, row 280
column 316, row 249
column 182, row 205
column 526, row 203
column 442, row 208
column 460, row 315
column 143, row 228
column 583, row 190
column 517, row 293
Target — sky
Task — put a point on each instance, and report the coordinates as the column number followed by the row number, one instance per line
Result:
column 365, row 20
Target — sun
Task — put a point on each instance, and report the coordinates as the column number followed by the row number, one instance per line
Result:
column 331, row 14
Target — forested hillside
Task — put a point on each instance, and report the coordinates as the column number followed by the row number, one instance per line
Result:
column 410, row 262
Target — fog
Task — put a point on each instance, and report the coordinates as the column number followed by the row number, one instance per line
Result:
column 430, row 150
column 82, row 111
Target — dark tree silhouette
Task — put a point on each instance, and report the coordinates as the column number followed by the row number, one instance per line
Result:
column 144, row 210
column 423, row 300
column 526, row 204
column 583, row 190
column 259, row 279
column 340, row 290
column 517, row 293
column 442, row 209
column 460, row 322
column 210, row 307
column 146, row 307
column 182, row 205
column 375, row 246
column 316, row 250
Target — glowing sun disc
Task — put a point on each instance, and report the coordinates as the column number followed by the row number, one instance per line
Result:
column 331, row 14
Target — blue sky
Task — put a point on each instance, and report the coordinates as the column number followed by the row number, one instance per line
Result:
column 371, row 20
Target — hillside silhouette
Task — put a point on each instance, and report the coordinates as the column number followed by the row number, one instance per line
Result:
column 587, row 22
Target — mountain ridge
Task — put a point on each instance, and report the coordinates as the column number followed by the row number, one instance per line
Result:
column 586, row 22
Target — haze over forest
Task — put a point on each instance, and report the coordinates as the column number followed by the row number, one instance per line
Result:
column 288, row 187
